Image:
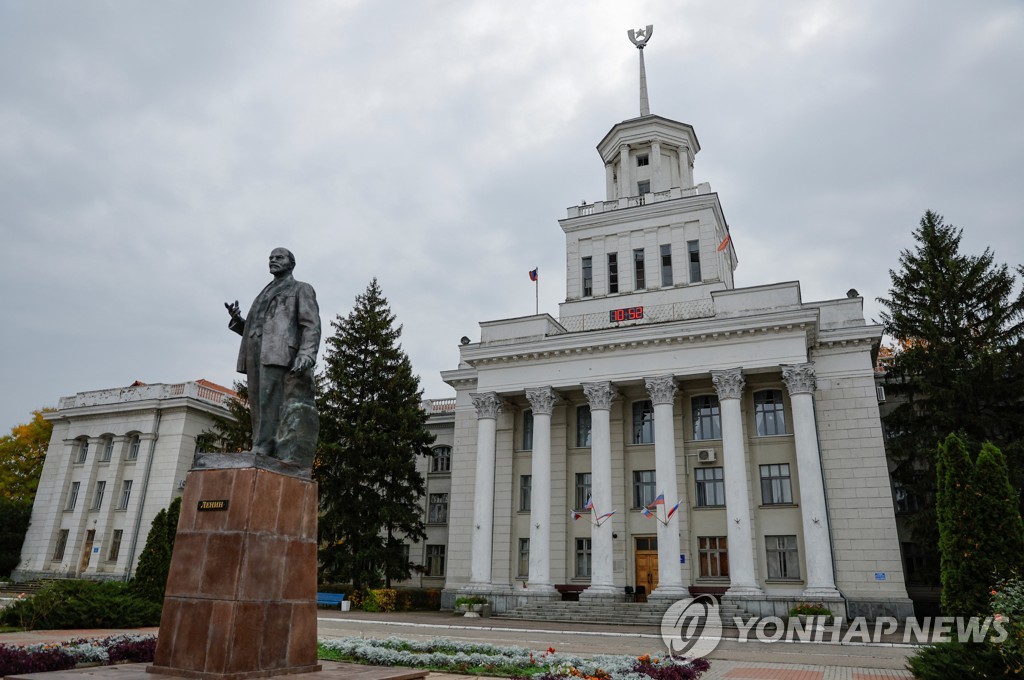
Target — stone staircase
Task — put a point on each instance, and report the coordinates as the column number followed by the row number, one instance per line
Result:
column 610, row 613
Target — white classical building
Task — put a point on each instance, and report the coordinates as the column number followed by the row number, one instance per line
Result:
column 116, row 458
column 660, row 383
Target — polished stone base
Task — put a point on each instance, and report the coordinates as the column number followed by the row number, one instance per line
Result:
column 241, row 594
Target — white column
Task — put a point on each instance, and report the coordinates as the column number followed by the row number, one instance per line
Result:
column 655, row 159
column 685, row 171
column 670, row 579
column 600, row 396
column 624, row 174
column 800, row 381
column 742, row 580
column 542, row 400
column 488, row 405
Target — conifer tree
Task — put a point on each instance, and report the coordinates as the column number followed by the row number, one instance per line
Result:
column 372, row 427
column 999, row 531
column 150, row 580
column 956, row 526
column 959, row 325
column 233, row 433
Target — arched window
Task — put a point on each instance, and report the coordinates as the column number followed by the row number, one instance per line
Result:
column 442, row 461
column 769, row 413
column 81, row 449
column 106, row 448
column 707, row 417
column 134, row 442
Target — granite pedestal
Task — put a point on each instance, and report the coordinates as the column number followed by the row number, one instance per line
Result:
column 241, row 594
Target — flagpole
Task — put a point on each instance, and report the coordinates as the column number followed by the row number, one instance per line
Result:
column 536, row 294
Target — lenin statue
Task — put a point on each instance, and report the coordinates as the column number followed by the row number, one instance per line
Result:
column 280, row 339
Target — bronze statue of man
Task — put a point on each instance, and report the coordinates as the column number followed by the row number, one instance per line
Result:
column 280, row 339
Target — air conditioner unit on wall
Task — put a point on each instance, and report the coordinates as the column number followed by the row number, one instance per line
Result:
column 181, row 484
column 706, row 455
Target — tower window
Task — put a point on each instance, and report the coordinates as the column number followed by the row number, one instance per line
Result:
column 693, row 248
column 642, row 160
column 638, row 268
column 588, row 276
column 666, row 265
column 643, row 188
column 613, row 273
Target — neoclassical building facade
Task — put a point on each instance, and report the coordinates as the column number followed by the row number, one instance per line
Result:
column 670, row 434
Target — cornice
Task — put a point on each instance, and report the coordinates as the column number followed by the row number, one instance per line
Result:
column 620, row 217
column 669, row 334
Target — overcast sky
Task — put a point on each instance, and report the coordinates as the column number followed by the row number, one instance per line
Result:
column 153, row 153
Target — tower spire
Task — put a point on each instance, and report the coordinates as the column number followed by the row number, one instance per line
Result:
column 640, row 37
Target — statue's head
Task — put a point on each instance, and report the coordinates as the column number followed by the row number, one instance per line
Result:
column 281, row 261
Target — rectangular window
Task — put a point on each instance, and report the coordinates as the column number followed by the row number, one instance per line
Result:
column 638, row 269
column 588, row 276
column 583, row 558
column 693, row 249
column 115, row 545
column 783, row 561
column 524, row 558
column 613, row 273
column 525, row 484
column 133, row 447
column 583, row 426
column 126, row 493
column 907, row 502
column 643, row 488
column 528, row 430
column 83, row 450
column 643, row 188
column 72, row 497
column 582, row 489
column 769, row 413
column 713, row 552
column 643, row 422
column 442, row 461
column 642, row 159
column 62, row 542
column 916, row 565
column 97, row 496
column 666, row 265
column 710, row 487
column 435, row 560
column 707, row 418
column 775, row 484
column 108, row 451
column 438, row 509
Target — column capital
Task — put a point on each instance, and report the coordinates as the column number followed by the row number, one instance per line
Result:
column 662, row 389
column 600, row 395
column 487, row 404
column 728, row 383
column 542, row 399
column 799, row 378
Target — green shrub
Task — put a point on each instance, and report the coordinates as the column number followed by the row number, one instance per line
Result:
column 957, row 660
column 808, row 609
column 470, row 599
column 82, row 604
column 150, row 580
column 1008, row 607
column 379, row 600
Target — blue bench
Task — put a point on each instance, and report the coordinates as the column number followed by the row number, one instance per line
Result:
column 330, row 599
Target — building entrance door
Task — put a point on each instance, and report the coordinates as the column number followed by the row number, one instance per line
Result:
column 646, row 556
column 90, row 536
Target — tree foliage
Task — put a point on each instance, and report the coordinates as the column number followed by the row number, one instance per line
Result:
column 372, row 427
column 14, row 518
column 958, row 321
column 150, row 580
column 21, row 457
column 233, row 433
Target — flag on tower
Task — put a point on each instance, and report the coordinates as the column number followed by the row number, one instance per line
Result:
column 535, row 273
column 725, row 242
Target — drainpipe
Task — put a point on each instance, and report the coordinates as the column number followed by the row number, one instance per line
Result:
column 142, row 499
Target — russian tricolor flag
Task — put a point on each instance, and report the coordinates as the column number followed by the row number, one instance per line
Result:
column 535, row 273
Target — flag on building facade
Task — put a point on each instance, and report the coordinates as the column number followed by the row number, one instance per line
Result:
column 725, row 242
column 672, row 511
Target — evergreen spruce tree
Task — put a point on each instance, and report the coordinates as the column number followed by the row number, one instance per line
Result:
column 372, row 427
column 959, row 324
column 150, row 580
column 956, row 526
column 230, row 434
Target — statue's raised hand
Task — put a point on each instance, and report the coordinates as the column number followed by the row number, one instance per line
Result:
column 233, row 310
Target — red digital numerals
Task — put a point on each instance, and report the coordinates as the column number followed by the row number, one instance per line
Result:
column 626, row 314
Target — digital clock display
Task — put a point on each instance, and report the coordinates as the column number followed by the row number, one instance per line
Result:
column 626, row 314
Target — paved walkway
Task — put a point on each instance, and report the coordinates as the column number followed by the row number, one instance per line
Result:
column 731, row 660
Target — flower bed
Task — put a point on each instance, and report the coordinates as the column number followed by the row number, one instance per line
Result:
column 517, row 662
column 62, row 656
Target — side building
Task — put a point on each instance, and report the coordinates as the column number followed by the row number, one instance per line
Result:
column 116, row 458
column 661, row 386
